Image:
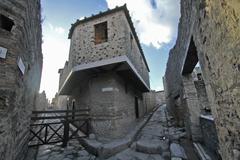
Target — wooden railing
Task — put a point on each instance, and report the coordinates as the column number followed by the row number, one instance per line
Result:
column 54, row 126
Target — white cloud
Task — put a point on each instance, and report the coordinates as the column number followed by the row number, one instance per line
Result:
column 159, row 88
column 81, row 18
column 155, row 20
column 60, row 30
column 56, row 29
column 55, row 52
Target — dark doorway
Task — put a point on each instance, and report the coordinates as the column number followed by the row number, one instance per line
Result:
column 136, row 108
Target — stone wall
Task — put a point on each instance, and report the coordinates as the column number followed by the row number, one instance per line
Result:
column 112, row 107
column 61, row 102
column 149, row 99
column 152, row 99
column 173, row 78
column 41, row 101
column 63, row 73
column 160, row 97
column 202, row 97
column 18, row 90
column 213, row 26
column 192, row 109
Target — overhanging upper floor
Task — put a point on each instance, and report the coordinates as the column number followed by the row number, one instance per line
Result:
column 121, row 65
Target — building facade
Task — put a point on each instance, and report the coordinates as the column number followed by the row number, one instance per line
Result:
column 106, row 72
column 20, row 73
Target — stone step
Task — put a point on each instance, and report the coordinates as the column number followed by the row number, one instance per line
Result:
column 176, row 158
column 152, row 146
column 201, row 152
column 177, row 151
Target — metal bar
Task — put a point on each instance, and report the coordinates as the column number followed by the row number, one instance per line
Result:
column 34, row 145
column 56, row 117
column 79, row 119
column 39, row 124
column 84, row 136
column 66, row 133
column 46, row 132
column 35, row 133
column 60, row 111
column 37, row 136
column 74, row 132
column 55, row 132
column 88, row 126
column 78, row 129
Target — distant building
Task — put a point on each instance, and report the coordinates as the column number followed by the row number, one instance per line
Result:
column 59, row 102
column 42, row 101
column 106, row 72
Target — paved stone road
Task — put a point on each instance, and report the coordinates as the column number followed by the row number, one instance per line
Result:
column 73, row 151
column 152, row 143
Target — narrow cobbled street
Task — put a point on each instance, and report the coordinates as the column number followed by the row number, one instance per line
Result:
column 157, row 140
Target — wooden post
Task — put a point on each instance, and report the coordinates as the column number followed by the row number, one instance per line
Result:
column 66, row 130
column 46, row 134
column 88, row 126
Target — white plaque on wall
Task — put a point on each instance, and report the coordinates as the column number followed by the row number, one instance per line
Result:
column 21, row 65
column 3, row 52
column 108, row 89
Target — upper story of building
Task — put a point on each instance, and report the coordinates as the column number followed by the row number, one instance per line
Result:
column 106, row 36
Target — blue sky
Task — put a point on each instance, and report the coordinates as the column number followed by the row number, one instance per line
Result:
column 155, row 22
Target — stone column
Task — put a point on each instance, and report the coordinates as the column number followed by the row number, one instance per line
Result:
column 192, row 108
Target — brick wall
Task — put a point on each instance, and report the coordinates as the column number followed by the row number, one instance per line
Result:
column 112, row 106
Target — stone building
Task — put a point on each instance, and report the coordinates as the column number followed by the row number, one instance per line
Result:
column 106, row 72
column 160, row 97
column 20, row 73
column 41, row 103
column 209, row 33
column 152, row 99
column 59, row 102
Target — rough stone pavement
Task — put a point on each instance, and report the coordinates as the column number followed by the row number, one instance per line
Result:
column 74, row 151
column 152, row 143
column 158, row 140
